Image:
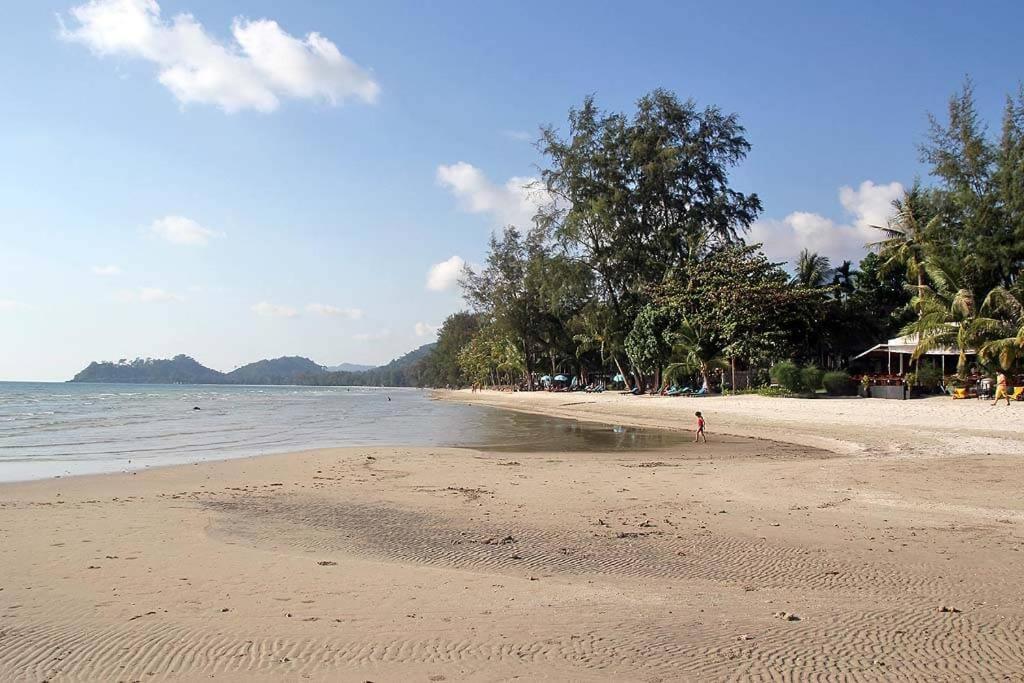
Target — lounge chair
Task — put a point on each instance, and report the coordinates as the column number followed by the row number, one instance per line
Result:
column 959, row 393
column 1017, row 394
column 703, row 391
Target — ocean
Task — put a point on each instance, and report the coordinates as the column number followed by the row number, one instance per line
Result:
column 61, row 429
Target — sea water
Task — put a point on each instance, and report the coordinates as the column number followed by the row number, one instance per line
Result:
column 59, row 429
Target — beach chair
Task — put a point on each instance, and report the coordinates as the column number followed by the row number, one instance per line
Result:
column 1017, row 394
column 703, row 391
column 959, row 393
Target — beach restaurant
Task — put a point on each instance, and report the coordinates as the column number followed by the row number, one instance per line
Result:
column 894, row 357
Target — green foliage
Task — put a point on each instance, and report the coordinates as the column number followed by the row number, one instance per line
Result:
column 403, row 371
column 533, row 294
column 736, row 303
column 634, row 196
column 929, row 376
column 838, row 383
column 811, row 377
column 787, row 375
column 441, row 367
column 491, row 358
column 181, row 369
column 285, row 370
column 812, row 270
column 769, row 391
column 1004, row 338
column 649, row 344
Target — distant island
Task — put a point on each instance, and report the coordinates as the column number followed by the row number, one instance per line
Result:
column 182, row 369
column 350, row 367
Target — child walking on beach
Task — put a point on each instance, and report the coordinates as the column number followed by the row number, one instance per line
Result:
column 700, row 428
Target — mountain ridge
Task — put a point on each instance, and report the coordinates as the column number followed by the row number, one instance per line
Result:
column 183, row 369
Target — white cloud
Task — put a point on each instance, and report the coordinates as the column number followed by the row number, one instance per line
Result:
column 328, row 310
column 514, row 203
column 519, row 135
column 11, row 305
column 870, row 204
column 269, row 310
column 181, row 230
column 106, row 271
column 372, row 336
column 148, row 295
column 263, row 63
column 445, row 275
column 867, row 205
column 425, row 330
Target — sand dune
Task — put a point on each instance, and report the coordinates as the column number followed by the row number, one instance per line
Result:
column 844, row 552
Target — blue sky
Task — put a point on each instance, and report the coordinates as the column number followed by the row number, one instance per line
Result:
column 234, row 189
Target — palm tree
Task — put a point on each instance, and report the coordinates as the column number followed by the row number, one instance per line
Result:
column 946, row 311
column 844, row 279
column 949, row 317
column 698, row 353
column 1006, row 310
column 812, row 270
column 905, row 242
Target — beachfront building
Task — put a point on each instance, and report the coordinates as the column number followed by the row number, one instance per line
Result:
column 895, row 357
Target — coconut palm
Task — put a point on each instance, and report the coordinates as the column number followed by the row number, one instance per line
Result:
column 844, row 279
column 812, row 270
column 950, row 317
column 1006, row 309
column 906, row 242
column 697, row 353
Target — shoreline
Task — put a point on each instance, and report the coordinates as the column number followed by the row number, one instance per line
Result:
column 929, row 427
column 399, row 563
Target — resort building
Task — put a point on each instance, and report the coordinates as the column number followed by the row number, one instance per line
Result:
column 895, row 356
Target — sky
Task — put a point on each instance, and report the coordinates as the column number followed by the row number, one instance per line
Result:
column 243, row 180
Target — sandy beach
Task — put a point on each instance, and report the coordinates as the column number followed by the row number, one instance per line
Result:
column 811, row 539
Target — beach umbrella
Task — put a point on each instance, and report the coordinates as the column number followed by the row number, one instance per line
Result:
column 561, row 378
column 618, row 378
column 545, row 378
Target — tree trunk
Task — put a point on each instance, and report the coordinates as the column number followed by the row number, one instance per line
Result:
column 625, row 377
column 526, row 363
column 641, row 383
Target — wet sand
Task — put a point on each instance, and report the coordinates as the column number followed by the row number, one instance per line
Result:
column 745, row 558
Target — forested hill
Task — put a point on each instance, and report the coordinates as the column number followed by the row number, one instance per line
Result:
column 284, row 370
column 401, row 372
column 178, row 370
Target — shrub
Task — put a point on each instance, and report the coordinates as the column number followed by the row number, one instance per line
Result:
column 787, row 375
column 811, row 378
column 768, row 391
column 929, row 376
column 837, row 383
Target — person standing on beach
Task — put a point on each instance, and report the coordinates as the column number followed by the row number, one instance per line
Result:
column 1001, row 391
column 700, row 428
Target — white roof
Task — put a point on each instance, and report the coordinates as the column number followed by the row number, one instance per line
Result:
column 908, row 344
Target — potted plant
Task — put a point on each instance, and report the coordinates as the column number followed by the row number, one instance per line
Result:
column 864, row 391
